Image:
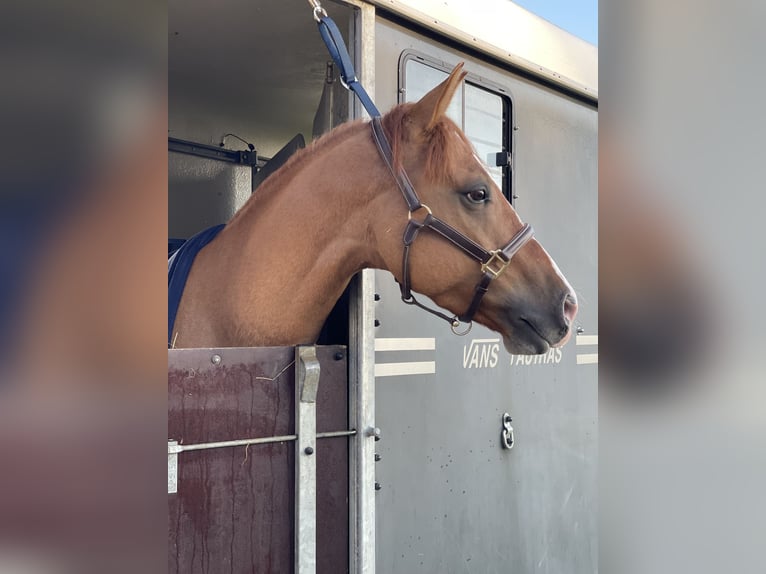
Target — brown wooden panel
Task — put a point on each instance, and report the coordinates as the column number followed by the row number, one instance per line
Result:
column 234, row 509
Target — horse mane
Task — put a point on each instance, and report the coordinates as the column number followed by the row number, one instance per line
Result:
column 289, row 170
column 442, row 154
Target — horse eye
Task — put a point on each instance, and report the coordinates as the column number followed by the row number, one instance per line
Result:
column 478, row 195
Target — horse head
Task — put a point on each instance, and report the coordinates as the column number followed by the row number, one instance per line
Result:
column 529, row 302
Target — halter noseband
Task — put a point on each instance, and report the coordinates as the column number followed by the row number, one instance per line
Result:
column 493, row 263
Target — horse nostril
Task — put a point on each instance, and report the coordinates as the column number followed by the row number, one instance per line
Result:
column 570, row 308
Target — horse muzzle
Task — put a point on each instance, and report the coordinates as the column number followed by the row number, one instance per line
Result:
column 533, row 332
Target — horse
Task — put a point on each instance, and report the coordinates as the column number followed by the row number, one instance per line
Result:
column 272, row 275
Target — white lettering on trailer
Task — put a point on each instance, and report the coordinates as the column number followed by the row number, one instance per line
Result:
column 552, row 357
column 423, row 344
column 481, row 354
column 587, row 341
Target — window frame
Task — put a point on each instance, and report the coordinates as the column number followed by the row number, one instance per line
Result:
column 509, row 142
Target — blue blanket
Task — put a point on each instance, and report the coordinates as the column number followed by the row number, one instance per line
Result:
column 179, row 266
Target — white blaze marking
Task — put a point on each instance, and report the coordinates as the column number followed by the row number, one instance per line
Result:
column 560, row 274
column 485, row 167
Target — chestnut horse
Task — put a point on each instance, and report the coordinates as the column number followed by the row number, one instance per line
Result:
column 274, row 273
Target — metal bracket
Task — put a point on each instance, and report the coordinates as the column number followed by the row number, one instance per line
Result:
column 306, row 388
column 172, row 467
column 507, row 438
column 499, row 159
column 212, row 152
column 308, row 374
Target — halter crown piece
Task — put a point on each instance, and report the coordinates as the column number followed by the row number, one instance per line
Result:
column 493, row 263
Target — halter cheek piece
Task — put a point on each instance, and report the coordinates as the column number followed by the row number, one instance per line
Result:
column 493, row 263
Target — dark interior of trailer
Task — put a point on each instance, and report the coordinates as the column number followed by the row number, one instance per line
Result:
column 249, row 83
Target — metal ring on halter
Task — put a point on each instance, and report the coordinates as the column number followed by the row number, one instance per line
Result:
column 422, row 206
column 456, row 323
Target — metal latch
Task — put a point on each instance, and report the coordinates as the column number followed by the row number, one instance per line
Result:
column 173, row 451
column 500, row 159
column 506, row 436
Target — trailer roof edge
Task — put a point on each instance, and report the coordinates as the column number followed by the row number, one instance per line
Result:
column 512, row 35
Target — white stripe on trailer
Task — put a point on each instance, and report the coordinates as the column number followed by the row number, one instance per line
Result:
column 399, row 369
column 587, row 340
column 415, row 344
column 589, row 359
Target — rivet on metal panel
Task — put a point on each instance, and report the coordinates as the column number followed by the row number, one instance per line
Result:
column 377, row 323
column 308, row 450
column 377, row 296
column 378, row 486
column 338, row 356
column 377, row 457
column 215, row 359
column 580, row 330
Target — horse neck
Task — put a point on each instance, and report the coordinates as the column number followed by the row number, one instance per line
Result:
column 291, row 251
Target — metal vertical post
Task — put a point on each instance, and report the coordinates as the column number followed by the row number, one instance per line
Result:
column 306, row 387
column 362, row 418
column 362, row 347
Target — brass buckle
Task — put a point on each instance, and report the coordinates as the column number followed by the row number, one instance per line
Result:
column 496, row 259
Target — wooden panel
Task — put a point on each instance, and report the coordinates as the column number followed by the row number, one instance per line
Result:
column 234, row 509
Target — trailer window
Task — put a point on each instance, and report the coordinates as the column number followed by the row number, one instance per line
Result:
column 482, row 112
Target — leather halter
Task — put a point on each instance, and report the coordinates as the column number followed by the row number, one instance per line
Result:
column 493, row 263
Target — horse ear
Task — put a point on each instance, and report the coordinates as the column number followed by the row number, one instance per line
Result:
column 432, row 106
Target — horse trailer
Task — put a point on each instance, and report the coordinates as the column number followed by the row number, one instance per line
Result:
column 393, row 445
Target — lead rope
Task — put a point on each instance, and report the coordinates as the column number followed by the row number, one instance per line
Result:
column 336, row 46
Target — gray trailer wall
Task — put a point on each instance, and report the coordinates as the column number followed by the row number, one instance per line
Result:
column 452, row 500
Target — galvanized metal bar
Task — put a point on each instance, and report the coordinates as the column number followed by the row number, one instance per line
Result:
column 362, row 417
column 174, row 447
column 361, row 369
column 334, row 434
column 306, row 388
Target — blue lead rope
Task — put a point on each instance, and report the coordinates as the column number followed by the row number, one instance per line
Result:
column 337, row 49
